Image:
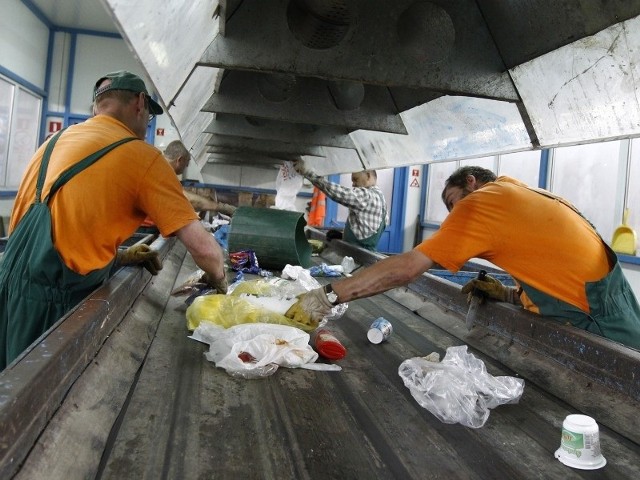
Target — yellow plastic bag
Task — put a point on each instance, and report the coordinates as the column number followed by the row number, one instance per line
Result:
column 229, row 310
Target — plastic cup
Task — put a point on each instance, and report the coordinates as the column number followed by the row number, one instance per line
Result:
column 580, row 443
column 380, row 330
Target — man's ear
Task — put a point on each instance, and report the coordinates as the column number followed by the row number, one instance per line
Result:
column 471, row 182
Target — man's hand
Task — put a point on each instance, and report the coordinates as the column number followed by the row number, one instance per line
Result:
column 310, row 308
column 300, row 167
column 219, row 285
column 492, row 287
column 140, row 255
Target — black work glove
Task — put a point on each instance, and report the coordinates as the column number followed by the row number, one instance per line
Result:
column 492, row 288
column 140, row 254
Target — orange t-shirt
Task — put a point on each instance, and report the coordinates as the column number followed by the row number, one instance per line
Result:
column 104, row 205
column 537, row 240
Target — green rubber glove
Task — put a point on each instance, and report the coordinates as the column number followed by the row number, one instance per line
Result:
column 140, row 254
column 492, row 288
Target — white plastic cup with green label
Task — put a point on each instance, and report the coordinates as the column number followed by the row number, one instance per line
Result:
column 580, row 443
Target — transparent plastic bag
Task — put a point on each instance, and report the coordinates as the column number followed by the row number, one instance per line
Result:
column 459, row 389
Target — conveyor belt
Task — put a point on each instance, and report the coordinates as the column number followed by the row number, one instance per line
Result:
column 150, row 406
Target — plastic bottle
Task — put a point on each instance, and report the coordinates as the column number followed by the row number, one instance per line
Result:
column 328, row 346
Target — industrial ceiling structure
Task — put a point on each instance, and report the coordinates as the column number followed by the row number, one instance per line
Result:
column 353, row 84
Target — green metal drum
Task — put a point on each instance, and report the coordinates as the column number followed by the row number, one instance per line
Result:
column 276, row 236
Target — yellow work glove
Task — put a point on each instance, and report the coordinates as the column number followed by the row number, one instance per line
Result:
column 220, row 285
column 492, row 288
column 141, row 255
column 311, row 307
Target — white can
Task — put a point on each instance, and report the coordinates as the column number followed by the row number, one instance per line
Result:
column 380, row 330
column 580, row 443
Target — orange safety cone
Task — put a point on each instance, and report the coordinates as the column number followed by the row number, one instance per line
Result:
column 317, row 209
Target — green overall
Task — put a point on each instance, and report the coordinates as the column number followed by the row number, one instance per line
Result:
column 36, row 287
column 369, row 243
column 614, row 310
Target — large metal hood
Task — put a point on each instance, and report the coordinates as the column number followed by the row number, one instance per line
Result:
column 352, row 84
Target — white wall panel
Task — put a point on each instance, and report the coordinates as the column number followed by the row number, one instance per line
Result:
column 586, row 91
column 59, row 69
column 23, row 42
column 96, row 56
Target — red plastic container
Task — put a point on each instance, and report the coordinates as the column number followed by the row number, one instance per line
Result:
column 328, row 346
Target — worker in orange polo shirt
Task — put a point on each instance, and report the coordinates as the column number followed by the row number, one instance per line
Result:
column 563, row 268
column 85, row 191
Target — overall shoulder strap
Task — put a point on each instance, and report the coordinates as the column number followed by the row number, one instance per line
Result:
column 83, row 164
column 44, row 164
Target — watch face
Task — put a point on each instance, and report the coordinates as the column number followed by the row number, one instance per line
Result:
column 332, row 297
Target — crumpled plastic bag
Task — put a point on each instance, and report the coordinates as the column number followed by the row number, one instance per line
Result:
column 229, row 310
column 258, row 350
column 459, row 389
column 288, row 184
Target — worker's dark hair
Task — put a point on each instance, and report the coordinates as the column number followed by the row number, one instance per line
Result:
column 459, row 177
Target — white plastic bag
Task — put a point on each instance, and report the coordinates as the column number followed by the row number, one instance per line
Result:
column 256, row 350
column 288, row 184
column 459, row 389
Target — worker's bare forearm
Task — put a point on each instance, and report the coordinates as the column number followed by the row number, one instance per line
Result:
column 384, row 275
column 203, row 248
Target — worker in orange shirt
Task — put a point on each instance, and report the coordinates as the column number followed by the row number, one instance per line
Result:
column 563, row 268
column 179, row 157
column 85, row 191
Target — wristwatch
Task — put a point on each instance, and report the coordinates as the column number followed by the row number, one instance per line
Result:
column 331, row 295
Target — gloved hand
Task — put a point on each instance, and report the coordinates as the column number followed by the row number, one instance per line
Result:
column 300, row 167
column 220, row 285
column 226, row 209
column 310, row 308
column 492, row 288
column 140, row 255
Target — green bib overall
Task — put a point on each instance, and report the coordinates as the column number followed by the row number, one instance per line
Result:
column 36, row 287
column 370, row 243
column 614, row 310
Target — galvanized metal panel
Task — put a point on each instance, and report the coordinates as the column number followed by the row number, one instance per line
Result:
column 309, row 102
column 444, row 129
column 525, row 30
column 587, row 91
column 447, row 48
column 282, row 131
column 168, row 37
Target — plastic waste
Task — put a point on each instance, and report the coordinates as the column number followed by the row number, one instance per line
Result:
column 458, row 389
column 327, row 345
column 258, row 350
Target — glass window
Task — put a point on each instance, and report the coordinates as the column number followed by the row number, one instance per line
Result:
column 24, row 135
column 633, row 187
column 524, row 166
column 437, row 174
column 6, row 106
column 587, row 176
column 19, row 126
